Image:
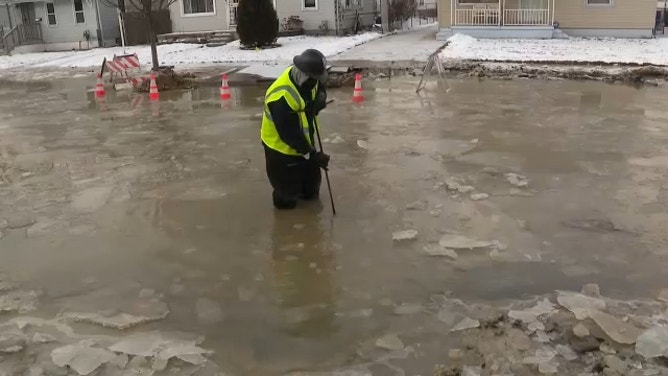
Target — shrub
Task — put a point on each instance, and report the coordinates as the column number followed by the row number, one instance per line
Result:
column 257, row 23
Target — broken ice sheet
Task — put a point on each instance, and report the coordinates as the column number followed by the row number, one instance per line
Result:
column 21, row 301
column 335, row 139
column 404, row 235
column 581, row 305
column 81, row 357
column 466, row 323
column 161, row 346
column 462, row 242
column 455, row 185
column 618, row 330
column 438, row 250
column 653, row 343
column 479, row 196
column 390, row 342
column 120, row 307
column 566, row 352
column 529, row 315
column 517, row 180
column 417, row 205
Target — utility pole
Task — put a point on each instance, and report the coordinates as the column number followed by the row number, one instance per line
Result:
column 385, row 15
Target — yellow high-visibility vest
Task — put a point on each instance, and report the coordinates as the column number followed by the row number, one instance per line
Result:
column 284, row 88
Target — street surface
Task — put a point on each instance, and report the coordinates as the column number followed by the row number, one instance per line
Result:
column 147, row 232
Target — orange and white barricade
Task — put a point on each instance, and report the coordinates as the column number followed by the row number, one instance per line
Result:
column 124, row 71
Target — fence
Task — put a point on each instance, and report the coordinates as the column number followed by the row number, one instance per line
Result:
column 21, row 34
column 422, row 15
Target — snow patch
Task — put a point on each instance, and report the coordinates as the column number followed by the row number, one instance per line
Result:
column 572, row 50
column 188, row 54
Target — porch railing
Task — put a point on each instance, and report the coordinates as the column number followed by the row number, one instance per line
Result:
column 20, row 35
column 498, row 14
column 477, row 17
column 526, row 17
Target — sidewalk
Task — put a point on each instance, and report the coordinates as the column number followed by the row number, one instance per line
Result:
column 409, row 46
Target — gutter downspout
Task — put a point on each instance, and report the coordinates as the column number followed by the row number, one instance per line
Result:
column 100, row 33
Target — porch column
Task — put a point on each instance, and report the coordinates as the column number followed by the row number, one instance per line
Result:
column 552, row 11
column 452, row 13
column 502, row 11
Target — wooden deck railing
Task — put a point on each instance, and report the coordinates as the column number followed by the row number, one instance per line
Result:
column 20, row 35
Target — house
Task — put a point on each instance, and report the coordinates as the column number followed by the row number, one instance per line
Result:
column 546, row 18
column 661, row 19
column 57, row 25
column 427, row 8
column 427, row 4
column 318, row 16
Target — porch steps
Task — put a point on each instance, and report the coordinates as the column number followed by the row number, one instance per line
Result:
column 210, row 38
column 559, row 34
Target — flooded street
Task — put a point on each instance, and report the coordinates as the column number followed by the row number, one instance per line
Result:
column 137, row 218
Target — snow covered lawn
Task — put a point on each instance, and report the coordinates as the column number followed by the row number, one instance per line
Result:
column 623, row 51
column 185, row 54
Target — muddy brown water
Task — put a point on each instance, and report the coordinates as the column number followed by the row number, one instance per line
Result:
column 174, row 198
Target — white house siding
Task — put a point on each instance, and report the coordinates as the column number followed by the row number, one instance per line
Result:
column 312, row 18
column 199, row 22
column 66, row 34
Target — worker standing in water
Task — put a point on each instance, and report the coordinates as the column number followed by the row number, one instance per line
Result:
column 291, row 106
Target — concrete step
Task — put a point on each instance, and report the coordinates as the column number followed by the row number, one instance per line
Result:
column 205, row 37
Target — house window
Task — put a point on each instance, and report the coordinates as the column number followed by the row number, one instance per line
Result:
column 198, row 7
column 310, row 4
column 79, row 16
column 599, row 2
column 50, row 14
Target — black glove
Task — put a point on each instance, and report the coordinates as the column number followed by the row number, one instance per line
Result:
column 321, row 159
column 320, row 101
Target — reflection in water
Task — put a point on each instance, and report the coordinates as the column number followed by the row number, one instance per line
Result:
column 303, row 267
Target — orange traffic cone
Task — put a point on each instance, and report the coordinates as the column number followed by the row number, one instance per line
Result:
column 357, row 93
column 99, row 89
column 225, row 89
column 153, row 91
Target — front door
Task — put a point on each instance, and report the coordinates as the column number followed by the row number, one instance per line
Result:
column 27, row 13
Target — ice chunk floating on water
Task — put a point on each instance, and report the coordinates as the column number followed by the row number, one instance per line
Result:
column 404, row 235
column 653, row 343
column 81, row 357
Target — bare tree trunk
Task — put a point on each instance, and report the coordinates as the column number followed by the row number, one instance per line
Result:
column 148, row 14
column 154, row 44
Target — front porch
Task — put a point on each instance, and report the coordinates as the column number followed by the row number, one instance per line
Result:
column 498, row 18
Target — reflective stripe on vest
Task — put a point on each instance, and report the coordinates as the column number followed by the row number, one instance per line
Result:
column 284, row 88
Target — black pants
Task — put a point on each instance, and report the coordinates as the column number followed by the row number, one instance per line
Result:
column 292, row 178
